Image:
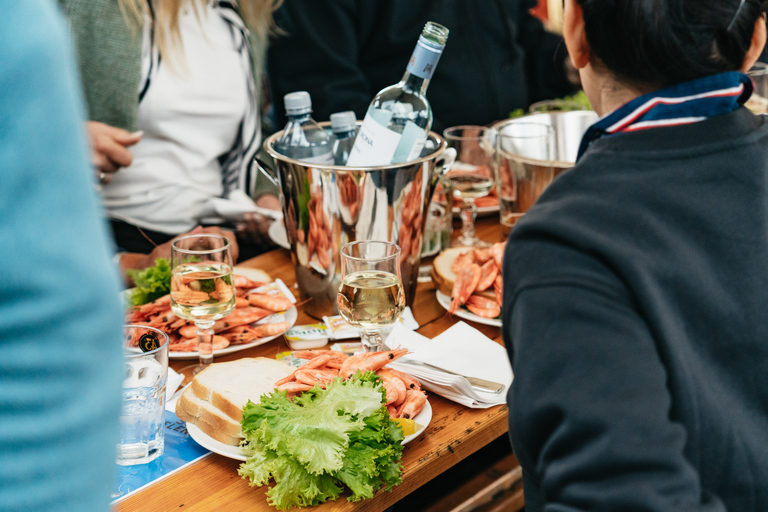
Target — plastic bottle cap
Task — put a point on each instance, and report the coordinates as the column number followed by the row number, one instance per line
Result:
column 297, row 102
column 343, row 121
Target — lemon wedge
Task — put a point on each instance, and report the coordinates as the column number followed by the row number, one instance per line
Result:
column 408, row 426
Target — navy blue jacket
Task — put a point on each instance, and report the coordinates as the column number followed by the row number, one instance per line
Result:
column 635, row 313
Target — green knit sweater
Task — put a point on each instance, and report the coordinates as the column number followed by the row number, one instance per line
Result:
column 108, row 49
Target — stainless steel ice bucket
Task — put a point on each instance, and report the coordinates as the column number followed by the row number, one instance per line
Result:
column 569, row 127
column 327, row 206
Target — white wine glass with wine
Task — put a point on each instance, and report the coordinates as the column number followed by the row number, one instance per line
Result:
column 371, row 295
column 470, row 176
column 202, row 290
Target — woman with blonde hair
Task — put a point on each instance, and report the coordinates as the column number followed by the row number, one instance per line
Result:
column 172, row 89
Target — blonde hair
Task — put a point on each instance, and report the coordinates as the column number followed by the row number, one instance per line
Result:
column 257, row 15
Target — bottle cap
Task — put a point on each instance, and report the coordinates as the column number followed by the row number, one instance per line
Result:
column 297, row 102
column 343, row 121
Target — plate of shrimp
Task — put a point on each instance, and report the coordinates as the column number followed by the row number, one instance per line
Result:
column 473, row 276
column 261, row 314
column 405, row 398
column 466, row 314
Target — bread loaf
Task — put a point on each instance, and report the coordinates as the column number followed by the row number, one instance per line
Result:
column 214, row 400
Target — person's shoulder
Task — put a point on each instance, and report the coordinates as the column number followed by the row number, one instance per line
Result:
column 41, row 27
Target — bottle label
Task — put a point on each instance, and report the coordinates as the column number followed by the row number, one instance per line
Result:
column 374, row 145
column 424, row 59
column 411, row 143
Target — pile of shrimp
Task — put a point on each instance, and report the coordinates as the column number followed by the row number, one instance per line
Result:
column 477, row 270
column 405, row 398
column 235, row 328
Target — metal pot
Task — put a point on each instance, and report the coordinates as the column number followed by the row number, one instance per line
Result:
column 327, row 206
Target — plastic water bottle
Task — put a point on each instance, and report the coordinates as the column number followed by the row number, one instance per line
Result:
column 344, row 128
column 303, row 139
column 399, row 117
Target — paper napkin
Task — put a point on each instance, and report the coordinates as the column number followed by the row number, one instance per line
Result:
column 461, row 349
column 172, row 383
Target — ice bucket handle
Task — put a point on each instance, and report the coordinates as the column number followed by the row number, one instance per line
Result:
column 443, row 165
column 267, row 171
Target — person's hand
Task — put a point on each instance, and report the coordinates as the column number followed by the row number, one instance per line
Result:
column 109, row 148
column 141, row 261
column 253, row 227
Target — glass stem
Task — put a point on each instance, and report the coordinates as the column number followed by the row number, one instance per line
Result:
column 468, row 216
column 205, row 342
column 371, row 340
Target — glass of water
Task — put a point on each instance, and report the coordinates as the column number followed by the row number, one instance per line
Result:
column 142, row 421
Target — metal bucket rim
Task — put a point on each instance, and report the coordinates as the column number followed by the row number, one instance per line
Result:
column 499, row 126
column 269, row 147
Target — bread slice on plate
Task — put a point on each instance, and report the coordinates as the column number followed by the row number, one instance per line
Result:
column 444, row 277
column 214, row 400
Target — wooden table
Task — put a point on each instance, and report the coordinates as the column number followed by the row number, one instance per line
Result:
column 454, row 433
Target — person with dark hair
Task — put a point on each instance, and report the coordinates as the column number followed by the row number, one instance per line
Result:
column 498, row 58
column 636, row 287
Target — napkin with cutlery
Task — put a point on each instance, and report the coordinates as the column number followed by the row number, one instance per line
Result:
column 461, row 349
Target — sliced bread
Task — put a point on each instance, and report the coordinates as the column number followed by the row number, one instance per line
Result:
column 228, row 386
column 193, row 409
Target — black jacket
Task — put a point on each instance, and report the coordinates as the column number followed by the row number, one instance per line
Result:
column 635, row 316
column 498, row 56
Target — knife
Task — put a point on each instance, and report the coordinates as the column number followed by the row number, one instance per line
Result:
column 481, row 384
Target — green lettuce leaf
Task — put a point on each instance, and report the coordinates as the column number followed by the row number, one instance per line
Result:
column 321, row 441
column 150, row 283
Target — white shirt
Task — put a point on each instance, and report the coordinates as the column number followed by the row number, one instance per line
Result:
column 190, row 114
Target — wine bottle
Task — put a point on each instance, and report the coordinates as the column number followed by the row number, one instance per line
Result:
column 399, row 117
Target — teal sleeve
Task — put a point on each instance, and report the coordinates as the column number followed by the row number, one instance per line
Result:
column 60, row 316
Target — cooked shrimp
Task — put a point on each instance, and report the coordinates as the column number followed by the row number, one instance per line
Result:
column 369, row 361
column 276, row 302
column 394, row 385
column 488, row 273
column 294, row 387
column 311, row 354
column 483, row 306
column 413, row 404
column 243, row 282
column 314, row 375
column 254, row 333
column 139, row 313
column 190, row 344
column 498, row 253
column 462, row 260
column 408, row 379
column 464, row 286
column 241, row 316
column 498, row 290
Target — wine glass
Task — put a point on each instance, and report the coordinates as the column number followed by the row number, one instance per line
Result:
column 202, row 289
column 470, row 176
column 524, row 168
column 371, row 295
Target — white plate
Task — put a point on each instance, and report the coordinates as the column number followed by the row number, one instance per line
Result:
column 464, row 313
column 277, row 234
column 289, row 316
column 233, row 452
column 209, row 443
column 423, row 419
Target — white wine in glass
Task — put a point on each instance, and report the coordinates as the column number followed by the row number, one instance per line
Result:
column 202, row 290
column 371, row 294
